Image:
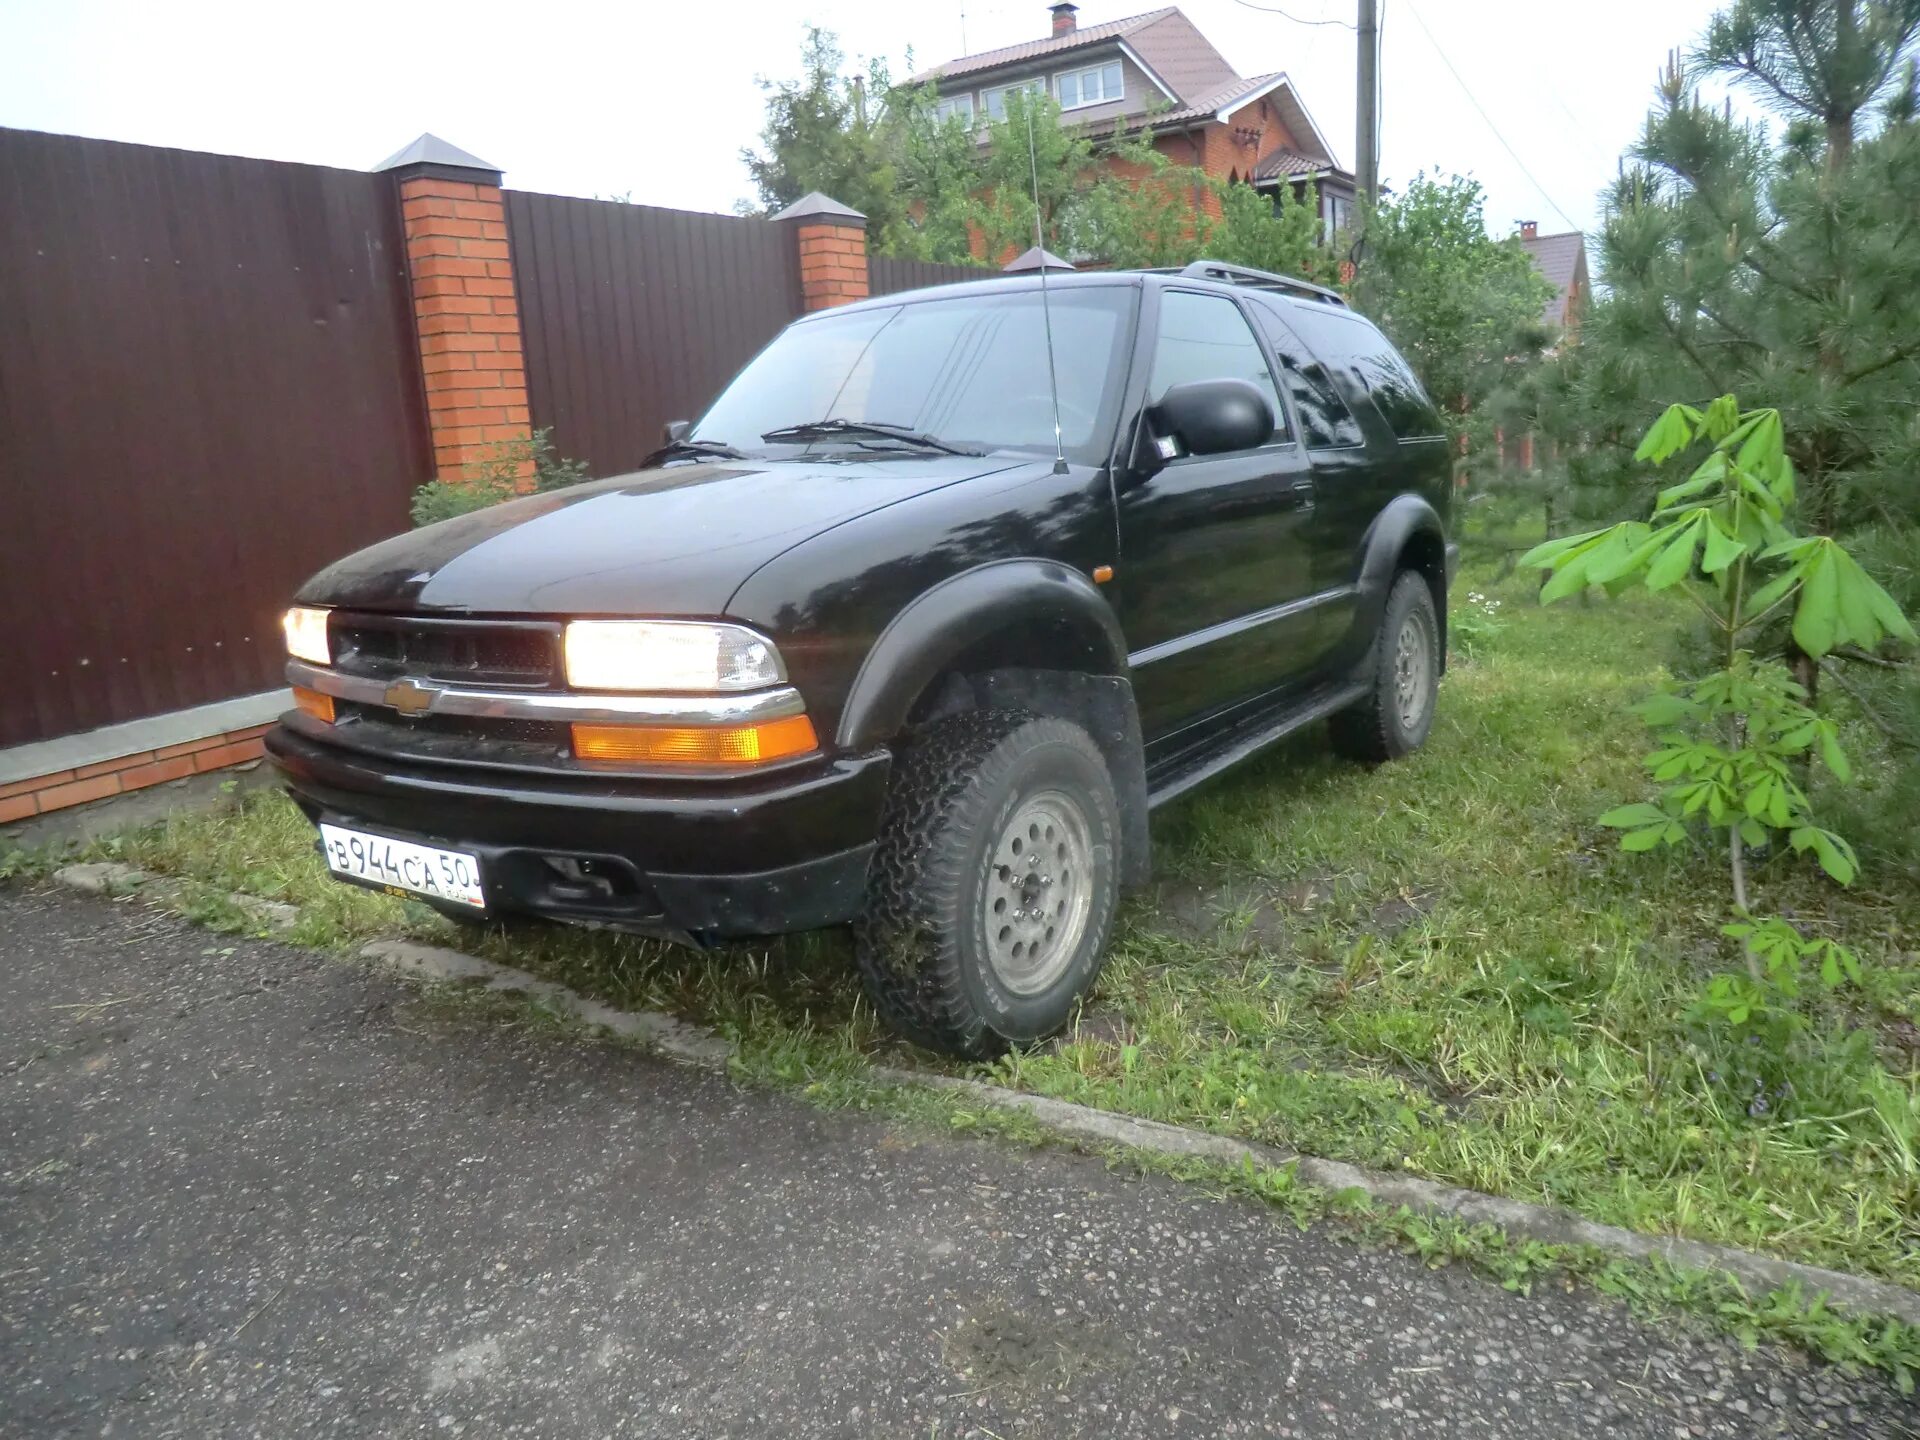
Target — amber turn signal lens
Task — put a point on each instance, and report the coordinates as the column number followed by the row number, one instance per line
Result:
column 314, row 703
column 696, row 744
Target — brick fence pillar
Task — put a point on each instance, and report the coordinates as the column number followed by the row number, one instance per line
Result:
column 833, row 250
column 465, row 311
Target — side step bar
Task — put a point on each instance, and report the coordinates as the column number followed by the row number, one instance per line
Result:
column 1181, row 773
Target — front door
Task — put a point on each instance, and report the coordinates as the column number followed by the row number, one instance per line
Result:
column 1215, row 567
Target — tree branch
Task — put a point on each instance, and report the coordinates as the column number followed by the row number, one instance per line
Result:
column 1904, row 352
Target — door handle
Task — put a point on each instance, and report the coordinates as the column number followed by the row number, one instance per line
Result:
column 1302, row 493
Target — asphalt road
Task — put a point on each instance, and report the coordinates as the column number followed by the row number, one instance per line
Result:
column 253, row 1191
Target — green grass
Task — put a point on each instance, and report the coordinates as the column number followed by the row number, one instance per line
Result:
column 1440, row 966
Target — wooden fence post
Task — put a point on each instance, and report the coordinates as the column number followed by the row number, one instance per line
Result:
column 833, row 250
column 466, row 313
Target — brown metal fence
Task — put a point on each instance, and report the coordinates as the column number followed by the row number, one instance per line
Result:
column 634, row 316
column 208, row 390
column 885, row 275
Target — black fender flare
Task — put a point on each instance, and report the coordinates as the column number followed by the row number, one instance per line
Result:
column 961, row 611
column 1089, row 684
column 1406, row 520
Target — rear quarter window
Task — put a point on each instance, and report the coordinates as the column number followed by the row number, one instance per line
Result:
column 1325, row 421
column 1350, row 345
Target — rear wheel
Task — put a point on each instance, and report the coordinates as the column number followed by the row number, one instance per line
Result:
column 993, row 891
column 1402, row 675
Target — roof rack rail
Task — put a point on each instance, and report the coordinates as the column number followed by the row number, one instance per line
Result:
column 1262, row 280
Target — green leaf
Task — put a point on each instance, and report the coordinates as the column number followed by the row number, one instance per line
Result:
column 1867, row 612
column 1676, row 560
column 1542, row 556
column 1668, row 435
column 1722, row 549
column 1569, row 581
column 1782, row 482
column 1767, row 594
column 1836, row 857
column 1637, row 840
column 1623, row 816
column 1763, row 446
column 1721, row 418
column 1834, row 757
column 1816, row 618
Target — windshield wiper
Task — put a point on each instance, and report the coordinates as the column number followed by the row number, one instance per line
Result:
column 880, row 429
column 693, row 450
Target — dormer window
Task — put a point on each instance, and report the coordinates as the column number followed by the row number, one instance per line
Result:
column 995, row 100
column 961, row 105
column 1095, row 86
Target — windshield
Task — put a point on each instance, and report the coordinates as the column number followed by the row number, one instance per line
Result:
column 971, row 371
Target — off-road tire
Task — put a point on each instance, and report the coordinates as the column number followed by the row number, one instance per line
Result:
column 922, row 945
column 1375, row 728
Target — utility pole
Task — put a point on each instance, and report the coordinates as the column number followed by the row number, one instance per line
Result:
column 1367, row 109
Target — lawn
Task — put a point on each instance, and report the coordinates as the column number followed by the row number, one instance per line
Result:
column 1442, row 966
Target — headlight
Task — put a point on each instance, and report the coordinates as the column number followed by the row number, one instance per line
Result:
column 669, row 655
column 307, row 635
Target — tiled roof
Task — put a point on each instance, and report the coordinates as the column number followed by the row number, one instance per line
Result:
column 1051, row 45
column 1182, row 57
column 1559, row 258
column 1290, row 162
column 1215, row 100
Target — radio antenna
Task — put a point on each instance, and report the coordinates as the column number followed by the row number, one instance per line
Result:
column 1046, row 304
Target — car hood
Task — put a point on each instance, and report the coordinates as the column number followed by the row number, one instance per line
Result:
column 671, row 541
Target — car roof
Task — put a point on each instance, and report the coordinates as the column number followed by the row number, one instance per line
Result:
column 1206, row 275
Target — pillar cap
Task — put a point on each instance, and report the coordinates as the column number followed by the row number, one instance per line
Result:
column 822, row 210
column 1034, row 260
column 432, row 156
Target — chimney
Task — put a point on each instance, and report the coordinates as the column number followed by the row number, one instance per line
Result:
column 1063, row 22
column 1529, row 229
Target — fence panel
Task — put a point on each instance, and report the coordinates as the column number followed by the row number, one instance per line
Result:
column 885, row 275
column 634, row 315
column 208, row 389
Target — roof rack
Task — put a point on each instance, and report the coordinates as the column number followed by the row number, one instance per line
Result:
column 1262, row 280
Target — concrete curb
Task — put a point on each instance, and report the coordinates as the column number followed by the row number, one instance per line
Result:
column 700, row 1046
column 108, row 877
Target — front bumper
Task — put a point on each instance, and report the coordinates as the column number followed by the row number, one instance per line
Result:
column 690, row 859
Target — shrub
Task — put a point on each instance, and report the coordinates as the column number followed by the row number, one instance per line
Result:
column 497, row 477
column 1737, row 745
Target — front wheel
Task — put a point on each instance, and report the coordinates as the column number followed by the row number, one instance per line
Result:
column 993, row 891
column 1402, row 675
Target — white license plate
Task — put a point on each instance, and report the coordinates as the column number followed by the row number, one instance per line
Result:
column 393, row 864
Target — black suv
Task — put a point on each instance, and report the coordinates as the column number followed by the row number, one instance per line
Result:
column 944, row 593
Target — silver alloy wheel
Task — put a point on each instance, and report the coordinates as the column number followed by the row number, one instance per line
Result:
column 1413, row 672
column 1039, row 892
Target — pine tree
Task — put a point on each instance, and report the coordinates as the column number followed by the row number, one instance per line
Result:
column 1782, row 263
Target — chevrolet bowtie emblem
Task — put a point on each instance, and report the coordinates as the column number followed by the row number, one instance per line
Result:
column 409, row 697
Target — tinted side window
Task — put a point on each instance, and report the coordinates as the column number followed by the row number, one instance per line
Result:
column 1205, row 337
column 1353, row 346
column 1325, row 421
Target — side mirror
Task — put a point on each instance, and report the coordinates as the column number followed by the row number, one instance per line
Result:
column 1214, row 417
column 677, row 430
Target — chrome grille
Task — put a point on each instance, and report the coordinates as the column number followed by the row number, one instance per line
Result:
column 518, row 654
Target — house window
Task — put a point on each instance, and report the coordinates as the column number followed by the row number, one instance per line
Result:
column 961, row 105
column 995, row 100
column 1090, row 87
column 1337, row 217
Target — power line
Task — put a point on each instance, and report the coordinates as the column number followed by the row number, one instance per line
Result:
column 1284, row 15
column 1472, row 100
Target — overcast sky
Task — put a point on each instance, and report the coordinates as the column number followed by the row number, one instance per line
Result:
column 655, row 98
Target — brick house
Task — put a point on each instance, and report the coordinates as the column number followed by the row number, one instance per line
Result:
column 1562, row 259
column 1158, row 71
